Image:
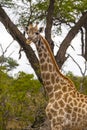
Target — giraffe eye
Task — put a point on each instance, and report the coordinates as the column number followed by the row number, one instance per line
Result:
column 37, row 33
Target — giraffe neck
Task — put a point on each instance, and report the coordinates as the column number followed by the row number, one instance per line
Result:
column 51, row 75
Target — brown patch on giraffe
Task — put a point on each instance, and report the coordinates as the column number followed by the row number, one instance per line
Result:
column 79, row 110
column 47, row 76
column 77, row 99
column 41, row 67
column 45, row 55
column 83, row 112
column 80, row 104
column 71, row 104
column 55, row 105
column 70, row 88
column 68, row 116
column 57, row 79
column 63, row 82
column 48, row 60
column 82, row 99
column 54, row 122
column 83, row 105
column 58, row 95
column 50, row 68
column 56, row 74
column 45, row 66
column 47, row 82
column 73, row 116
column 54, row 113
column 57, row 87
column 79, row 116
column 64, row 89
column 86, row 101
column 40, row 54
column 69, row 99
column 60, row 119
column 68, row 108
column 75, row 109
column 61, row 112
column 75, row 102
column 49, row 88
column 65, row 97
column 81, row 96
column 61, row 103
column 42, row 60
column 72, row 94
column 52, row 78
column 77, row 94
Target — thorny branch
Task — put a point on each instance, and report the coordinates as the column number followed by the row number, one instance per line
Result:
column 82, row 72
column 85, row 69
column 4, row 51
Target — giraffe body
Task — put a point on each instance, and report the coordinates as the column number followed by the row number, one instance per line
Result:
column 67, row 108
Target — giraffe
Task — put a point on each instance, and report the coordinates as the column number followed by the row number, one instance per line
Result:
column 67, row 108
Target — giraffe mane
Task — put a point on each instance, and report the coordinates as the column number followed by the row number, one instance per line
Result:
column 54, row 61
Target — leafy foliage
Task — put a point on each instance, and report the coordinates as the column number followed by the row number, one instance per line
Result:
column 20, row 98
column 66, row 11
column 78, row 81
column 8, row 63
column 7, row 3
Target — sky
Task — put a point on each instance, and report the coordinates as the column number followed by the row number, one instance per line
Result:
column 5, row 40
column 24, row 65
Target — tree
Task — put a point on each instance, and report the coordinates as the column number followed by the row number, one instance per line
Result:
column 55, row 14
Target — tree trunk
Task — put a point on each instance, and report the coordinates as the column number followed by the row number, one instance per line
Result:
column 19, row 37
column 49, row 22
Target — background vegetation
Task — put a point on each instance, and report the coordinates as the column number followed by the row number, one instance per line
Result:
column 20, row 100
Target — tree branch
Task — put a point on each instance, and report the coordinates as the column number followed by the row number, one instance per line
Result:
column 49, row 22
column 60, row 57
column 82, row 40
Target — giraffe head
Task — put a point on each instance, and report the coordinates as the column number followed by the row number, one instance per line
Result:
column 33, row 33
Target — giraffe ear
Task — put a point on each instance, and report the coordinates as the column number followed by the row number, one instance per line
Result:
column 30, row 26
column 36, row 26
column 41, row 29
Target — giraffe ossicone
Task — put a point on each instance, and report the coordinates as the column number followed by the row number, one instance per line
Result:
column 67, row 108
